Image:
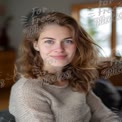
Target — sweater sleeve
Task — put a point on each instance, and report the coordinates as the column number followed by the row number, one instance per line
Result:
column 28, row 104
column 100, row 113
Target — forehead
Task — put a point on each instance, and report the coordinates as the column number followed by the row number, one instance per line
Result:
column 54, row 29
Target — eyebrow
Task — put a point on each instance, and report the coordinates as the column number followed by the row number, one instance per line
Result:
column 55, row 39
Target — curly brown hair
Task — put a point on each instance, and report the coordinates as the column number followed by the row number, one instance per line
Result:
column 86, row 52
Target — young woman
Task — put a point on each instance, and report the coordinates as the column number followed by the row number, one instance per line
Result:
column 57, row 66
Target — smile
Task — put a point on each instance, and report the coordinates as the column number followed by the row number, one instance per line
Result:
column 59, row 57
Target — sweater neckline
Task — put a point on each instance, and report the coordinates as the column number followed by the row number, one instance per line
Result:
column 56, row 86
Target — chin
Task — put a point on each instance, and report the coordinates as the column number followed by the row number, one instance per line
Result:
column 60, row 64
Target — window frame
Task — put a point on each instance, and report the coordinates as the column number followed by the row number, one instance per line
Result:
column 75, row 13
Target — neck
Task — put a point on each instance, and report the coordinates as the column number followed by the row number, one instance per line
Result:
column 53, row 69
column 60, row 75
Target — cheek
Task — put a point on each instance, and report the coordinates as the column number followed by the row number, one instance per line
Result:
column 44, row 52
column 72, row 49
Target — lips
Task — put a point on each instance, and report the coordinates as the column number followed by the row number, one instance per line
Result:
column 59, row 57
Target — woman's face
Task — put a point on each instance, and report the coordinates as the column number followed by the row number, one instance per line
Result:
column 56, row 45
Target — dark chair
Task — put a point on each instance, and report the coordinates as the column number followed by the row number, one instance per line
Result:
column 5, row 116
column 108, row 94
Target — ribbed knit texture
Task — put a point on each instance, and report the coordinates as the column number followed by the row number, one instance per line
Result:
column 30, row 101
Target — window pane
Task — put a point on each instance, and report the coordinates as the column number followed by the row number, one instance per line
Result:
column 97, row 22
column 119, row 31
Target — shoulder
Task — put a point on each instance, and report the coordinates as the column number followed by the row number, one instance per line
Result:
column 27, row 83
column 27, row 95
column 24, row 83
column 26, row 86
column 26, row 91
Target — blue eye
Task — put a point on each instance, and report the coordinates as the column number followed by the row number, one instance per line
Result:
column 49, row 41
column 68, row 41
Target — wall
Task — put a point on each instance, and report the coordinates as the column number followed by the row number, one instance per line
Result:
column 18, row 8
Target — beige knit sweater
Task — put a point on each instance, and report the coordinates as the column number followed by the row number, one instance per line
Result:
column 30, row 101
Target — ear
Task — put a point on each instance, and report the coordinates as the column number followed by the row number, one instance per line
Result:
column 35, row 45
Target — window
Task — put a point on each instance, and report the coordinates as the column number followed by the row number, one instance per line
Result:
column 119, row 32
column 103, row 21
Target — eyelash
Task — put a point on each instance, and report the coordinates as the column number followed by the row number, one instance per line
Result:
column 65, row 41
column 49, row 41
column 69, row 41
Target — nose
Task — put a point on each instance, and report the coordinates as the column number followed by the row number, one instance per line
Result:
column 59, row 47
